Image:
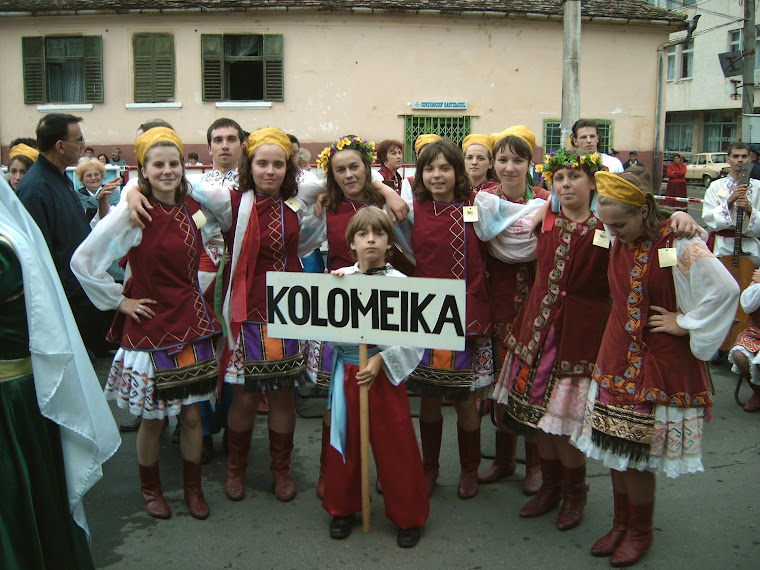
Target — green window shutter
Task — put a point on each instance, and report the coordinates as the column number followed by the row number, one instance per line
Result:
column 93, row 69
column 212, row 66
column 142, row 52
column 274, row 88
column 33, row 58
column 163, row 68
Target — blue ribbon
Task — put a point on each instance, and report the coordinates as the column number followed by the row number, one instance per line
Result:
column 336, row 397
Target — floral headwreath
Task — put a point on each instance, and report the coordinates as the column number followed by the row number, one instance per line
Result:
column 351, row 142
column 591, row 163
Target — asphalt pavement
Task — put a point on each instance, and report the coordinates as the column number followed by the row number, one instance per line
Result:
column 706, row 520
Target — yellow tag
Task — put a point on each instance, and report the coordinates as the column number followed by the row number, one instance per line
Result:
column 293, row 204
column 601, row 239
column 667, row 256
column 200, row 219
column 722, row 193
column 470, row 213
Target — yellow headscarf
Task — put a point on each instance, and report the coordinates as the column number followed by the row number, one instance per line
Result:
column 613, row 186
column 422, row 140
column 519, row 131
column 157, row 134
column 267, row 135
column 22, row 149
column 483, row 140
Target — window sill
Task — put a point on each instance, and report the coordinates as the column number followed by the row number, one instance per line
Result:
column 60, row 107
column 243, row 105
column 151, row 106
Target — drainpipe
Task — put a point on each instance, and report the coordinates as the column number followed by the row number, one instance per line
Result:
column 658, row 129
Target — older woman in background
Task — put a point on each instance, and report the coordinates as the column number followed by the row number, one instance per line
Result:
column 390, row 155
column 96, row 197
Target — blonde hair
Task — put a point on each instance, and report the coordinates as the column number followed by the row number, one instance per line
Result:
column 89, row 164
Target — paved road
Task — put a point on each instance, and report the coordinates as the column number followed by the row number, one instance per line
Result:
column 708, row 520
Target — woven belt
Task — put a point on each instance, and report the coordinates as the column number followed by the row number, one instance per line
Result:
column 15, row 369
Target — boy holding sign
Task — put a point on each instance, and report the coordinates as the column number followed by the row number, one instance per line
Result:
column 394, row 444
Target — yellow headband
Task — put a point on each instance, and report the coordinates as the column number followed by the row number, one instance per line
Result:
column 519, row 131
column 483, row 140
column 22, row 149
column 152, row 136
column 613, row 186
column 422, row 140
column 267, row 135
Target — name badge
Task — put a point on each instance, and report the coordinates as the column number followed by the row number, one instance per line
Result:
column 601, row 239
column 293, row 204
column 200, row 219
column 470, row 213
column 667, row 257
column 722, row 193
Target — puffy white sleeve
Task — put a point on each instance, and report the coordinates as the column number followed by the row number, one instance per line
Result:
column 111, row 239
column 400, row 362
column 405, row 227
column 313, row 228
column 216, row 202
column 505, row 226
column 707, row 295
column 715, row 212
column 309, row 191
column 750, row 298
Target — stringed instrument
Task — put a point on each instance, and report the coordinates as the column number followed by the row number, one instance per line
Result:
column 740, row 267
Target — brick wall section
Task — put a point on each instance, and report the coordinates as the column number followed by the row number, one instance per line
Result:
column 618, row 9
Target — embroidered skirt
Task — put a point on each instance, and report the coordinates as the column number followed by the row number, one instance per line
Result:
column 319, row 361
column 455, row 374
column 646, row 437
column 748, row 342
column 157, row 384
column 263, row 363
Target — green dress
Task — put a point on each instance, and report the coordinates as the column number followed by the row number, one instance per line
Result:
column 36, row 526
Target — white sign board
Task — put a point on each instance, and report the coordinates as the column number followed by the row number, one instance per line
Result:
column 361, row 309
column 439, row 105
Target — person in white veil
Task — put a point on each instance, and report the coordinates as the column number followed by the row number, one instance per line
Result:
column 56, row 429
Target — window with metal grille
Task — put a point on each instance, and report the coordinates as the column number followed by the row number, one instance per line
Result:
column 242, row 67
column 452, row 128
column 553, row 135
column 154, row 70
column 62, row 69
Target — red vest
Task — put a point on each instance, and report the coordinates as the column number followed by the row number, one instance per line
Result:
column 570, row 293
column 636, row 365
column 277, row 250
column 338, row 252
column 445, row 247
column 391, row 179
column 165, row 268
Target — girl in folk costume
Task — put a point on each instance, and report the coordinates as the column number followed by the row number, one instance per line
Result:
column 744, row 354
column 265, row 237
column 673, row 303
column 478, row 158
column 166, row 362
column 348, row 166
column 554, row 339
column 509, row 284
column 445, row 233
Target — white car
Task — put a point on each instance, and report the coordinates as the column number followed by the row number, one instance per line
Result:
column 706, row 166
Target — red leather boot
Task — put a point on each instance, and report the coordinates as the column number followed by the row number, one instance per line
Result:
column 280, row 448
column 606, row 545
column 196, row 502
column 239, row 445
column 505, row 462
column 574, row 495
column 550, row 493
column 638, row 536
column 150, row 485
column 469, row 460
column 430, row 435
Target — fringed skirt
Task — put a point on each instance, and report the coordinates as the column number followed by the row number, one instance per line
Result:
column 157, row 384
column 319, row 360
column 646, row 437
column 748, row 342
column 454, row 375
column 263, row 363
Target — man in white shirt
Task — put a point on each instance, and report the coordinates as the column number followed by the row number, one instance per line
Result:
column 724, row 197
column 586, row 139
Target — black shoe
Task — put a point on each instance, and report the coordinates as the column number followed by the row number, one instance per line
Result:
column 408, row 537
column 133, row 425
column 177, row 435
column 340, row 527
column 207, row 451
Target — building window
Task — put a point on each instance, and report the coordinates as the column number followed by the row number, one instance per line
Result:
column 153, row 67
column 553, row 135
column 720, row 130
column 687, row 60
column 672, row 63
column 679, row 132
column 242, row 67
column 734, row 40
column 66, row 69
column 452, row 128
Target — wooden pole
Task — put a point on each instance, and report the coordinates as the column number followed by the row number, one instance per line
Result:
column 364, row 424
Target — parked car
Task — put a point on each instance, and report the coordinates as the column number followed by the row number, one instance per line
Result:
column 706, row 166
